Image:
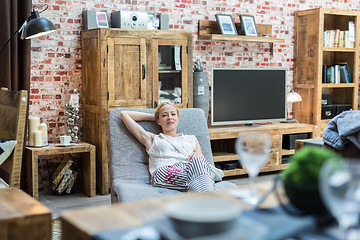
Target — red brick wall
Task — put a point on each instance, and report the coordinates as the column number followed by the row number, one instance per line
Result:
column 56, row 58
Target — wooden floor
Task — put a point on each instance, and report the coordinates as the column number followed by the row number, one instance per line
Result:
column 57, row 203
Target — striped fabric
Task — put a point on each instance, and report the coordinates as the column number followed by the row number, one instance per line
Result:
column 192, row 176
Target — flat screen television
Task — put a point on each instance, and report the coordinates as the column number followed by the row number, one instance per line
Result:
column 246, row 96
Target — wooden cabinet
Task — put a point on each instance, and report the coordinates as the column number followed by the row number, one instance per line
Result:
column 123, row 68
column 223, row 145
column 311, row 55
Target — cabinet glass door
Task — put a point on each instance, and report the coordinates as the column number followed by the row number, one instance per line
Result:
column 170, row 72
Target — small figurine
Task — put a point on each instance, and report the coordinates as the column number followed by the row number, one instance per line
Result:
column 198, row 66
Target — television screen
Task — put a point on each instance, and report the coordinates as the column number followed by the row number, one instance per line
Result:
column 246, row 96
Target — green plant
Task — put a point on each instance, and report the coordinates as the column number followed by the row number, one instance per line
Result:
column 305, row 165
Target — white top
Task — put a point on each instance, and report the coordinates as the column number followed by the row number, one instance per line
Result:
column 166, row 150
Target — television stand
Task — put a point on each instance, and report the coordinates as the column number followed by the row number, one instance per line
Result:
column 290, row 121
column 223, row 145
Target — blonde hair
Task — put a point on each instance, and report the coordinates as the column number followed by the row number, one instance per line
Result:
column 157, row 110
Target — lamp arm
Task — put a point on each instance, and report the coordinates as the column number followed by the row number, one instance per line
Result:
column 41, row 7
column 34, row 15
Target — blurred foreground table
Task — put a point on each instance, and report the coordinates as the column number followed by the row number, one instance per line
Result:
column 88, row 222
column 22, row 217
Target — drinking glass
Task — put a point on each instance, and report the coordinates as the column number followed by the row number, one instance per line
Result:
column 253, row 149
column 339, row 185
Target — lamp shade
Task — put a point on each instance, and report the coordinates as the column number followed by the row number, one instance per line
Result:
column 37, row 27
column 293, row 97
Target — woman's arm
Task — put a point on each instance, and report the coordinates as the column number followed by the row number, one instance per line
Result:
column 197, row 151
column 130, row 119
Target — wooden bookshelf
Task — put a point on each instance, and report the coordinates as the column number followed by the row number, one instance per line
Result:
column 310, row 55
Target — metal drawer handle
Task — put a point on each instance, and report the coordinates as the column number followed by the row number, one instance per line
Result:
column 328, row 113
column 144, row 71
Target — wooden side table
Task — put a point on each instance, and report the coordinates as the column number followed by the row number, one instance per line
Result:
column 22, row 217
column 86, row 180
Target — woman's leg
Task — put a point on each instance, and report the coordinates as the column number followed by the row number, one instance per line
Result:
column 172, row 177
column 200, row 176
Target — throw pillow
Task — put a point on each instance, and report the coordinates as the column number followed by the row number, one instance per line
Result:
column 6, row 148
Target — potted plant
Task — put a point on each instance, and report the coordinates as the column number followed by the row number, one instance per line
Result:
column 301, row 178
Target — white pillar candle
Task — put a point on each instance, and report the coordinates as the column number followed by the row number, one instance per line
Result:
column 43, row 129
column 38, row 140
column 33, row 126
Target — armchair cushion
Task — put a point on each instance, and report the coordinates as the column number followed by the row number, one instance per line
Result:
column 130, row 178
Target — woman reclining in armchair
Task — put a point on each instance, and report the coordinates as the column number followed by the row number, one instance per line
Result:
column 175, row 160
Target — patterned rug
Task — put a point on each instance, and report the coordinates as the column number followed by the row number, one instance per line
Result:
column 56, row 229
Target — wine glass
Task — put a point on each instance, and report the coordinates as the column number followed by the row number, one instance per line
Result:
column 253, row 149
column 339, row 185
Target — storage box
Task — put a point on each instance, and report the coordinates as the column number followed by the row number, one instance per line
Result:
column 229, row 165
column 342, row 107
column 328, row 111
column 289, row 140
column 285, row 159
column 326, row 99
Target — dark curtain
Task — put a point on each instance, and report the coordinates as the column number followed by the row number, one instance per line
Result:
column 15, row 59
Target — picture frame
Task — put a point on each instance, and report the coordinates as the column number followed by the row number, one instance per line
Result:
column 226, row 24
column 102, row 20
column 248, row 25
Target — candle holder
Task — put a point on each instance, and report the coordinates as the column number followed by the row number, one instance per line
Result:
column 37, row 134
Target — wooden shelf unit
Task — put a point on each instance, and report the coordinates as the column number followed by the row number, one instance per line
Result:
column 310, row 55
column 209, row 30
column 223, row 144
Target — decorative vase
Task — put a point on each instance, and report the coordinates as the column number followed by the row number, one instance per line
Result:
column 201, row 92
column 72, row 117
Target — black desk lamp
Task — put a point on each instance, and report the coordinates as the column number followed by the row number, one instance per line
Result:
column 34, row 26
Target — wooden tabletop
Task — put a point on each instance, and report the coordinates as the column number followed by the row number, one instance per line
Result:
column 57, row 149
column 16, row 204
column 87, row 222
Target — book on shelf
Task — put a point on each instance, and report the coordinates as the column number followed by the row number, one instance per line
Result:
column 338, row 38
column 337, row 73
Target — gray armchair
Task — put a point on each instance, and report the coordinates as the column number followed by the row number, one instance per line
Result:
column 130, row 178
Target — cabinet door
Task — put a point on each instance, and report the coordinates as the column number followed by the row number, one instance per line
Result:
column 170, row 73
column 127, row 72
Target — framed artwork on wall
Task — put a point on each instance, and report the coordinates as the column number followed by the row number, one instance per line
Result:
column 248, row 25
column 102, row 20
column 226, row 24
